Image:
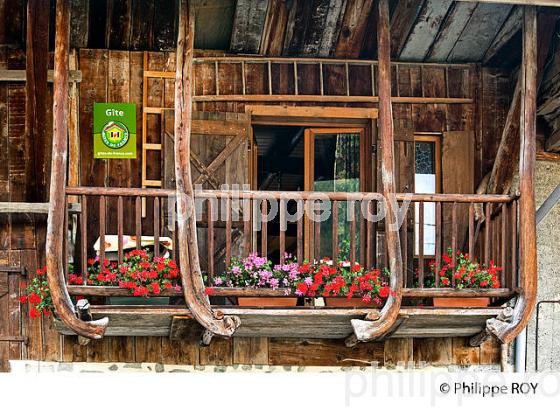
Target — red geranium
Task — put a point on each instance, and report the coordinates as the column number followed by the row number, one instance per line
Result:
column 37, row 293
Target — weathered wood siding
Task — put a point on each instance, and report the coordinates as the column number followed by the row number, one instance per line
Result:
column 118, row 75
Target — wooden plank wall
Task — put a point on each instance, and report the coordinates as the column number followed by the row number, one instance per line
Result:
column 117, row 75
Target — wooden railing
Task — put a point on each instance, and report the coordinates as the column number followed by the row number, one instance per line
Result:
column 235, row 223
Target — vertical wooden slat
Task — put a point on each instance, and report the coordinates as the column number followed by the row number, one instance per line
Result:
column 438, row 243
column 404, row 245
column 102, row 209
column 421, row 244
column 138, row 217
column 514, row 244
column 228, row 230
column 487, row 232
column 299, row 239
column 269, row 77
column 347, row 75
column 369, row 236
column 321, row 82
column 243, row 77
column 454, row 239
column 247, row 206
column 503, row 244
column 335, row 230
column 471, row 231
column 174, row 231
column 65, row 250
column 296, row 87
column 352, row 212
column 210, row 237
column 120, row 228
column 372, row 68
column 156, row 226
column 362, row 244
column 283, row 205
column 83, row 238
column 217, row 76
column 264, row 228
column 317, row 233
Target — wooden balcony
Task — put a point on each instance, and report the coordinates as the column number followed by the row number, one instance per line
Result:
column 244, row 225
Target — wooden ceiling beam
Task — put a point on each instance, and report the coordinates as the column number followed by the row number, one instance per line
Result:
column 425, row 30
column 248, row 24
column 455, row 22
column 511, row 26
column 402, row 21
column 274, row 29
column 353, row 28
column 480, row 31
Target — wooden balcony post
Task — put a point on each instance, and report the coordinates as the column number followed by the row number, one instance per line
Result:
column 366, row 330
column 525, row 304
column 193, row 284
column 56, row 230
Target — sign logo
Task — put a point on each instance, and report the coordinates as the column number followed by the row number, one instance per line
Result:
column 114, row 130
column 114, row 134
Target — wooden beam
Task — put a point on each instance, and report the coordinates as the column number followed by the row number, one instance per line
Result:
column 553, row 142
column 365, row 330
column 248, row 25
column 425, row 30
column 481, row 29
column 191, row 274
column 511, row 26
column 56, row 231
column 37, row 60
column 75, row 76
column 311, row 112
column 507, row 156
column 549, row 203
column 272, row 39
column 404, row 17
column 32, row 208
column 527, row 221
column 450, row 31
column 328, row 98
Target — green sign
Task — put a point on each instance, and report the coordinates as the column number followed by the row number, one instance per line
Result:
column 114, row 130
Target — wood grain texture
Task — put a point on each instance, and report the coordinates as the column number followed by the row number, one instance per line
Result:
column 481, row 29
column 423, row 33
column 248, row 25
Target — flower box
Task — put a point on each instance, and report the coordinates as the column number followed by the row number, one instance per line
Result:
column 267, row 301
column 344, row 302
column 461, row 302
column 138, row 301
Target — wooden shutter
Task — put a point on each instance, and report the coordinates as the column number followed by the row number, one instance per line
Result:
column 219, row 156
column 457, row 178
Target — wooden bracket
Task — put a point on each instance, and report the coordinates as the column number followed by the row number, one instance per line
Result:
column 491, row 325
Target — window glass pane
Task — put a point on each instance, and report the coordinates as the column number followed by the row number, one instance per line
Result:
column 425, row 182
column 425, row 158
column 337, row 169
